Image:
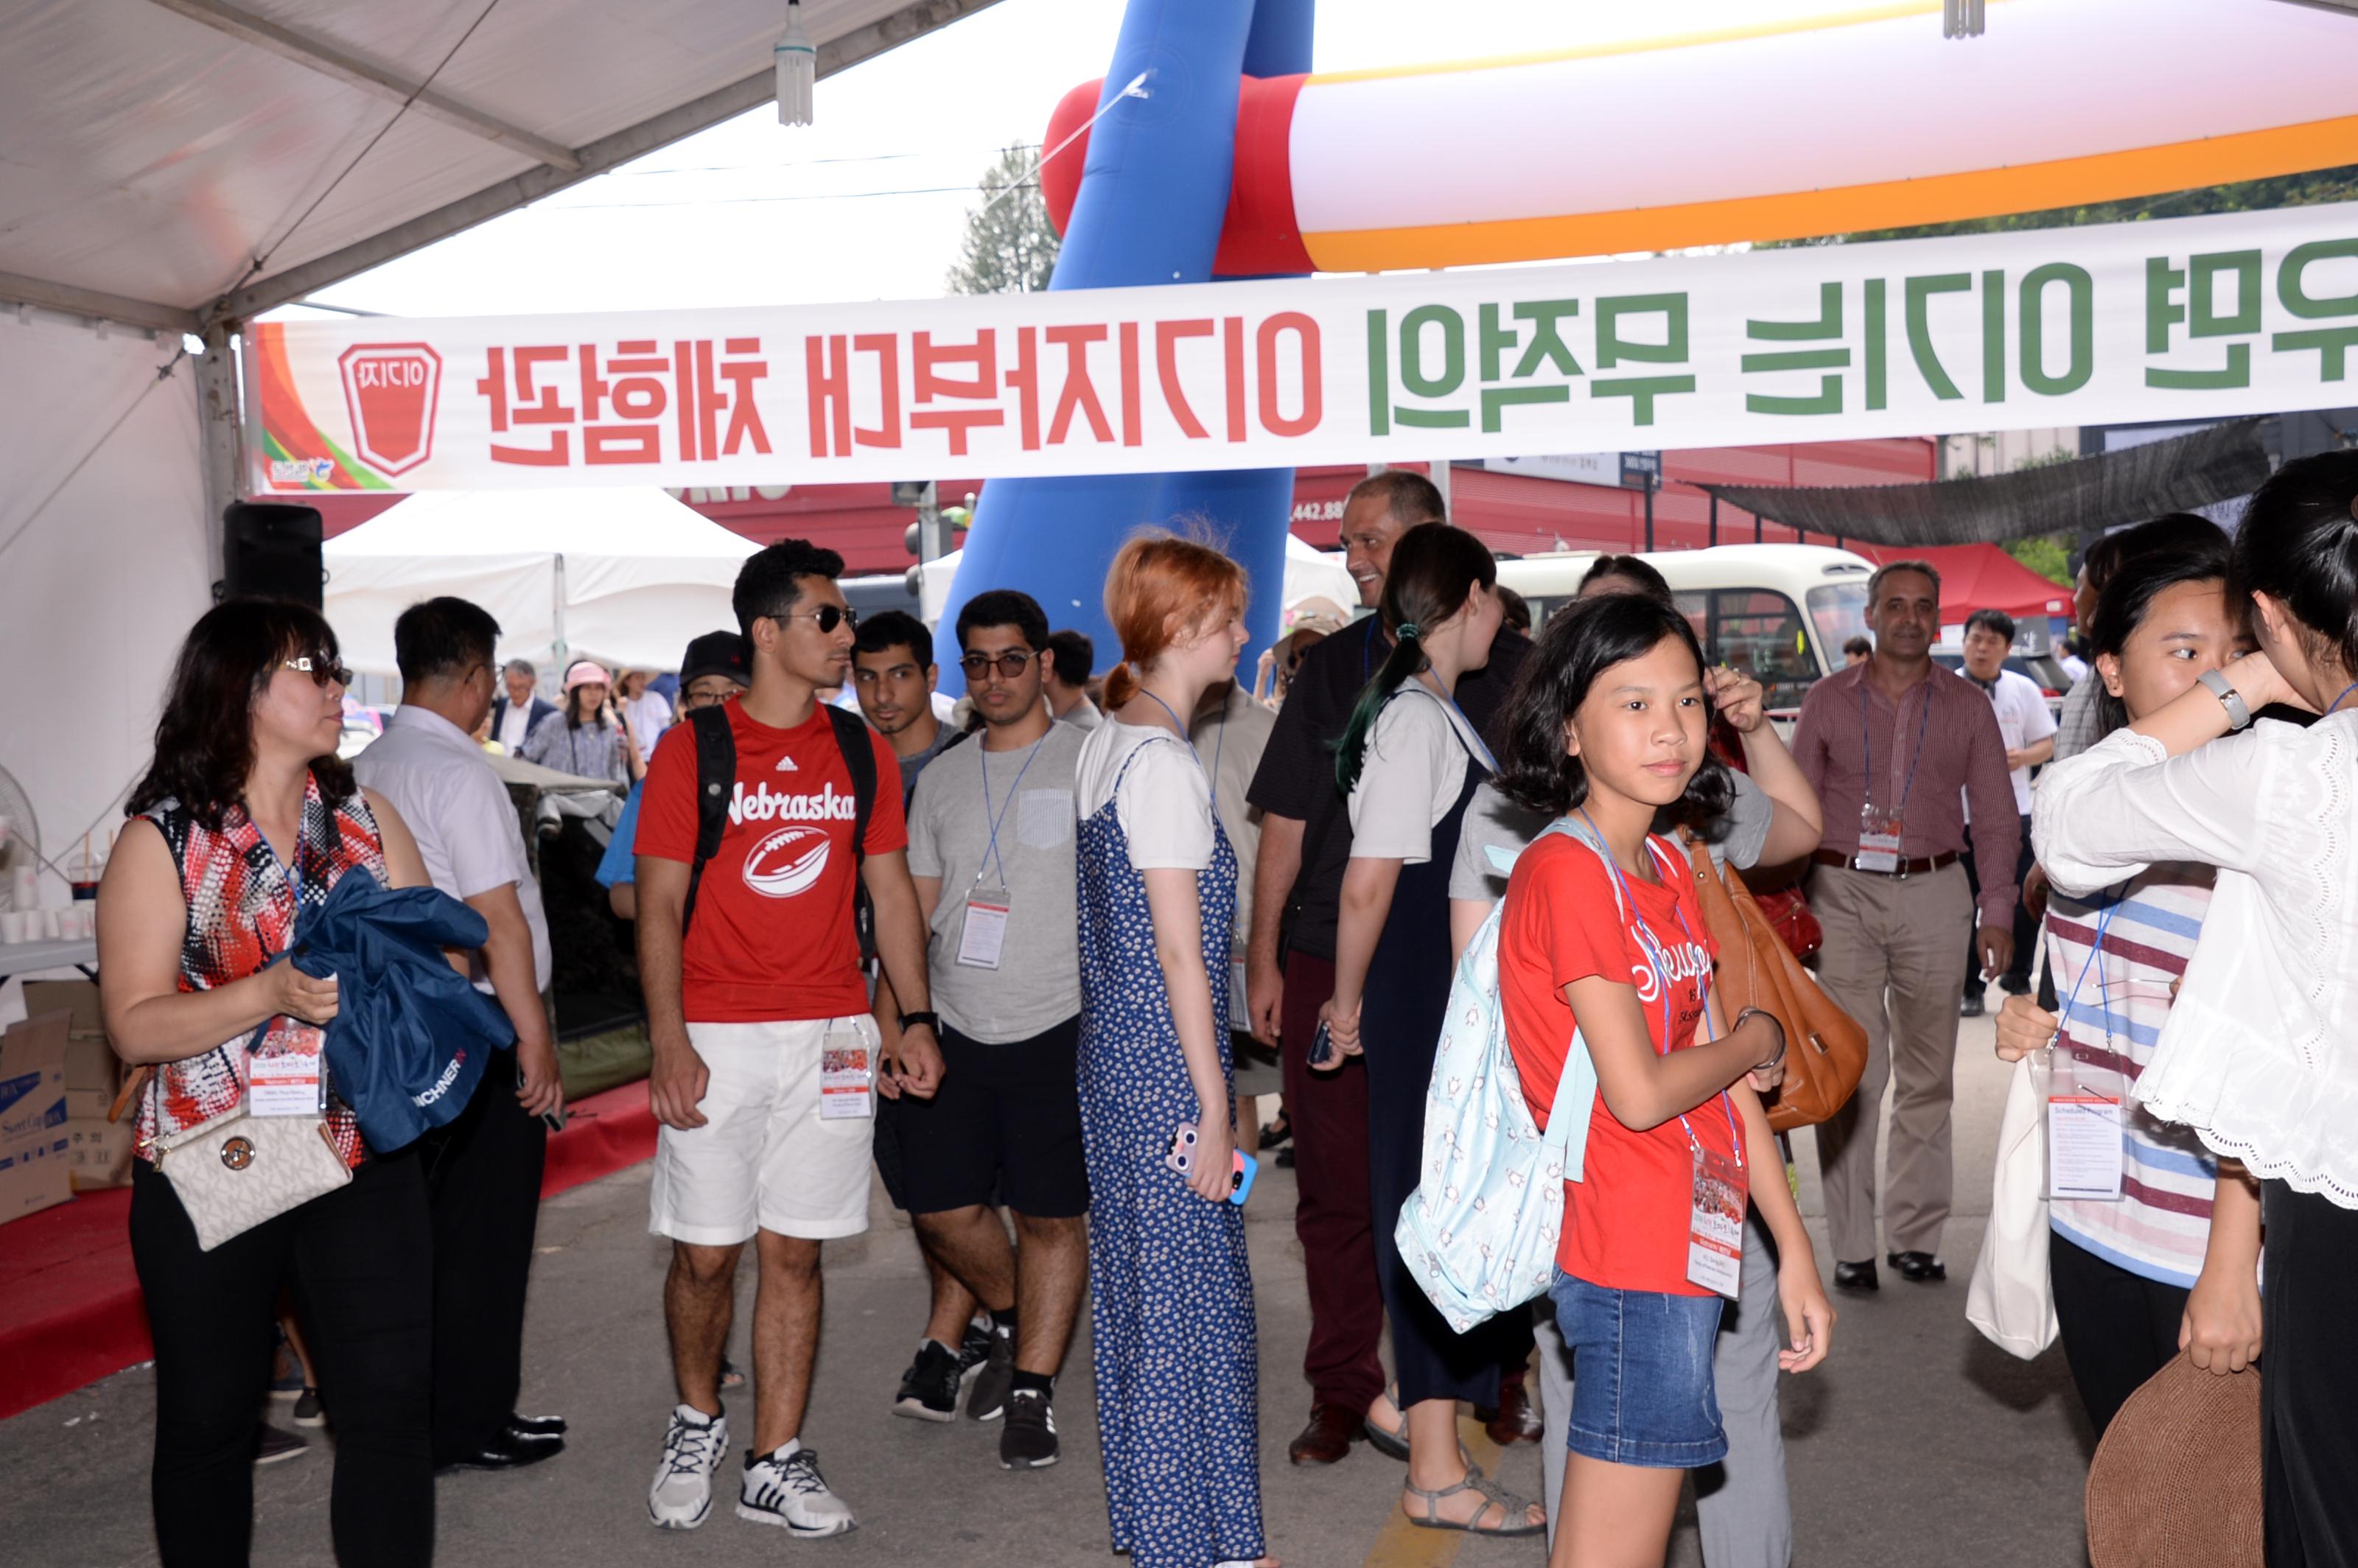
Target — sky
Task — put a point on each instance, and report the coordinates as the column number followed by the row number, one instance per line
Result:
column 870, row 201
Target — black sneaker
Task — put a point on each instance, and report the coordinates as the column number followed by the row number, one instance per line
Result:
column 986, row 1400
column 973, row 1351
column 929, row 1389
column 1028, row 1441
column 308, row 1411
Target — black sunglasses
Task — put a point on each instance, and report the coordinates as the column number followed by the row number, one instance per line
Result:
column 321, row 669
column 829, row 616
column 1010, row 663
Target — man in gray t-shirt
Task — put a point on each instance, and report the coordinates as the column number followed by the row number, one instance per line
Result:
column 993, row 852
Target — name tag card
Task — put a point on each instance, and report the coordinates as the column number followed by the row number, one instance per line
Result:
column 1715, row 1225
column 983, row 934
column 291, row 1083
column 847, row 1073
column 2084, row 1148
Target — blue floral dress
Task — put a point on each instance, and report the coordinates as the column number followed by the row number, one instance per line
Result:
column 1171, row 1302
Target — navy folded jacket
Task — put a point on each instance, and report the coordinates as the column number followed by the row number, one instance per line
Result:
column 411, row 1036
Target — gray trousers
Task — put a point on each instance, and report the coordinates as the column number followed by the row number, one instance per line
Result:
column 1746, row 1517
column 1892, row 962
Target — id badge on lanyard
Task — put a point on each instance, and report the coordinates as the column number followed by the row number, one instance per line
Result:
column 1715, row 1224
column 982, row 936
column 1879, row 834
column 847, row 1075
column 2086, row 1144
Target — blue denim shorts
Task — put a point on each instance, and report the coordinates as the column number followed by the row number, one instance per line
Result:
column 1642, row 1379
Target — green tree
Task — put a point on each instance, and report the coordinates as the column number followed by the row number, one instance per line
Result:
column 2310, row 189
column 2049, row 555
column 1010, row 246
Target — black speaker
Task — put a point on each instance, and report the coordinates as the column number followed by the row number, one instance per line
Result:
column 271, row 550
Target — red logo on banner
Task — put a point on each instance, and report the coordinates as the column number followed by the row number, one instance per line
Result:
column 390, row 390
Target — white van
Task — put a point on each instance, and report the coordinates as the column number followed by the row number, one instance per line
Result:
column 1782, row 612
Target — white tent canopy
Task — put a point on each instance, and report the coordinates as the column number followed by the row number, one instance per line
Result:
column 627, row 577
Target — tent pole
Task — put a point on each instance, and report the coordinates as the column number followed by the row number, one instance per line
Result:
column 556, row 621
column 222, row 446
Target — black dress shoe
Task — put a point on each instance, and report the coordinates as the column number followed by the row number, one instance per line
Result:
column 1917, row 1268
column 507, row 1451
column 1970, row 1006
column 1856, row 1276
column 1328, row 1437
column 536, row 1425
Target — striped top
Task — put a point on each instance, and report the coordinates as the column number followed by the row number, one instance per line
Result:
column 2159, row 1226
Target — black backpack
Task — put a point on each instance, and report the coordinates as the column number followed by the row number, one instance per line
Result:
column 716, row 777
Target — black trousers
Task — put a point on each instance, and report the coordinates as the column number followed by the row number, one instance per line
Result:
column 2309, row 1384
column 2016, row 978
column 2118, row 1328
column 482, row 1177
column 359, row 1263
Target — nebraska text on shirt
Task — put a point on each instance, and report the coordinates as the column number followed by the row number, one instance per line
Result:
column 758, row 805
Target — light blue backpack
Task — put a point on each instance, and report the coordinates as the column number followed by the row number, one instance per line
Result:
column 1479, row 1232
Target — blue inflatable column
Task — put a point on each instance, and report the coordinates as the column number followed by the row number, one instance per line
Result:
column 1154, row 191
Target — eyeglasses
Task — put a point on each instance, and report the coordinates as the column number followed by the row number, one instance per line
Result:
column 1010, row 663
column 829, row 616
column 690, row 701
column 322, row 670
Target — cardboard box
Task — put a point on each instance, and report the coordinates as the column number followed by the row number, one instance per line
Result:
column 98, row 1152
column 35, row 1167
column 93, row 1073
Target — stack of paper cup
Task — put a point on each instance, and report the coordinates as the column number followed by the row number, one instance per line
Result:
column 24, row 887
column 12, row 925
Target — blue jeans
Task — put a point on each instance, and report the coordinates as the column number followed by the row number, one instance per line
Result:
column 1642, row 1392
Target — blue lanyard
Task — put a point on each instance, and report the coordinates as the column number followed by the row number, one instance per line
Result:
column 1658, row 961
column 1867, row 745
column 995, row 818
column 1220, row 746
column 2095, row 955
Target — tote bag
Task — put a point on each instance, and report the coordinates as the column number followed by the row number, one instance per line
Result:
column 2012, row 1298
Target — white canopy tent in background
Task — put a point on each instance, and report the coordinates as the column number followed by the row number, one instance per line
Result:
column 1310, row 573
column 625, row 576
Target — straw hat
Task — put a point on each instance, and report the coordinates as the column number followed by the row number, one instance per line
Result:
column 2176, row 1483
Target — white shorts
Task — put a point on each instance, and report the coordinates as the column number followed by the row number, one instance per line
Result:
column 764, row 1157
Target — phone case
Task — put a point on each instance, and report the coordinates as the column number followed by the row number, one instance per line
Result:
column 1322, row 1046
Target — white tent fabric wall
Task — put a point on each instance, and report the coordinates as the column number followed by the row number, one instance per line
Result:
column 627, row 577
column 103, row 581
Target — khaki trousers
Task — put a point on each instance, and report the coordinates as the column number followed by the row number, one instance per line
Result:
column 1893, row 962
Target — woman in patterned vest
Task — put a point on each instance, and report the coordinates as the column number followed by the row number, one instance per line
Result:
column 245, row 817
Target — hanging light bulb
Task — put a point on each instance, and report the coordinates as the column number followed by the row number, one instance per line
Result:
column 797, row 61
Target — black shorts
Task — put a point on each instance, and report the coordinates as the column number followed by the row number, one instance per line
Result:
column 1005, row 1128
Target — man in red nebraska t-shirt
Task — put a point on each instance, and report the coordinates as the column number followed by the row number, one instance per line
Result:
column 763, row 1048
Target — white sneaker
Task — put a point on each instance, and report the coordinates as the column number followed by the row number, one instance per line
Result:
column 682, row 1494
column 787, row 1489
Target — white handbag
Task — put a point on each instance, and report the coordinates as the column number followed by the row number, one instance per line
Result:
column 235, row 1171
column 2012, row 1298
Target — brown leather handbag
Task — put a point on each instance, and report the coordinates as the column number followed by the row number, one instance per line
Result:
column 1825, row 1048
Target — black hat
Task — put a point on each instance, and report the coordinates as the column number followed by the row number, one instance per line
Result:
column 717, row 654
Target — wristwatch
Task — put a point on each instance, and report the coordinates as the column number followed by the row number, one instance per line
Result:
column 2239, row 712
column 929, row 1020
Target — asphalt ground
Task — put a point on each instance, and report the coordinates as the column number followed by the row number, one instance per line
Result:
column 1917, row 1443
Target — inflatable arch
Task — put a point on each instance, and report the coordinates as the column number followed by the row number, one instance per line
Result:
column 1238, row 162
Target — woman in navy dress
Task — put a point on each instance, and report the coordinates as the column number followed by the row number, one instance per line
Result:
column 1409, row 762
column 1171, row 1305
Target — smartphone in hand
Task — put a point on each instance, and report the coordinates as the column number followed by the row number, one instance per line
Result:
column 1181, row 1157
column 1322, row 1047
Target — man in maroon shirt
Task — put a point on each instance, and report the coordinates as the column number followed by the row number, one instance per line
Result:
column 1888, row 745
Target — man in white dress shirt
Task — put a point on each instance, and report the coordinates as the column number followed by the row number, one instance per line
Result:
column 2027, row 726
column 484, row 1169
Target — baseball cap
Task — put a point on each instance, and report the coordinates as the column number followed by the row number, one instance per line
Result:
column 716, row 653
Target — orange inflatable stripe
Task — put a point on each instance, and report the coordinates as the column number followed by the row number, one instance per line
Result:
column 1889, row 204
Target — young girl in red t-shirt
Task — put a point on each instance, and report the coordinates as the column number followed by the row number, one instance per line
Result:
column 1608, row 730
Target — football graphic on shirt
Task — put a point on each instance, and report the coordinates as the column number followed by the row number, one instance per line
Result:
column 787, row 862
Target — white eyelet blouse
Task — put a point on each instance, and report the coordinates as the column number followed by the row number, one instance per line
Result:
column 2259, row 1056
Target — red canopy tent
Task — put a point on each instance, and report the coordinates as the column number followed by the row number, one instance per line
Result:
column 1978, row 577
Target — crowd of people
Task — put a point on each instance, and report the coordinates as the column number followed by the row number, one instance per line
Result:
column 1007, row 951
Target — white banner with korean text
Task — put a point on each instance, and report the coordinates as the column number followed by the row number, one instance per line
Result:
column 2188, row 318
